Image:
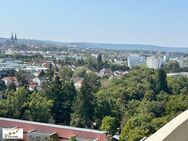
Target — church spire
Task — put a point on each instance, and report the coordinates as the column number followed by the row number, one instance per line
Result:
column 12, row 37
column 15, row 39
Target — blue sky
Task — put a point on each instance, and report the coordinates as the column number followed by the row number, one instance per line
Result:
column 156, row 22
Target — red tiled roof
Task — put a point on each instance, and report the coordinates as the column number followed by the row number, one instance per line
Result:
column 10, row 79
column 63, row 131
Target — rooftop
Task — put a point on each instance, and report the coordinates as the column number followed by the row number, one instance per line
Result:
column 53, row 125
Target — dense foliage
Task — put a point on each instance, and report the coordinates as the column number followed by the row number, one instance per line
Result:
column 138, row 104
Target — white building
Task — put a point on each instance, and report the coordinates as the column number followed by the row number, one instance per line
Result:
column 183, row 74
column 153, row 62
column 183, row 62
column 174, row 59
column 135, row 60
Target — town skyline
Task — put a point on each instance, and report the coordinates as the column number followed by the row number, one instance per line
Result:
column 85, row 42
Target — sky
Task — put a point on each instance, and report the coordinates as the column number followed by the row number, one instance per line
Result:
column 153, row 22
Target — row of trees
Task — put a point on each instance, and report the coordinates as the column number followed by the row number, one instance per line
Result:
column 21, row 104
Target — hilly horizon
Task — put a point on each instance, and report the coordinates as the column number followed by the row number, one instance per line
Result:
column 111, row 46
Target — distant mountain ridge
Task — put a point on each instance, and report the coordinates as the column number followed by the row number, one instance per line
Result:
column 128, row 47
column 140, row 47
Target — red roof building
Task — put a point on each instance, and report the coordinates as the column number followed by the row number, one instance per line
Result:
column 44, row 130
column 9, row 80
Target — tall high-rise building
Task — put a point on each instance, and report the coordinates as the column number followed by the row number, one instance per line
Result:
column 153, row 62
column 134, row 60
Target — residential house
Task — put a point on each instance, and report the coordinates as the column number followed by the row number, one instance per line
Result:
column 10, row 80
column 78, row 84
column 32, row 87
column 105, row 72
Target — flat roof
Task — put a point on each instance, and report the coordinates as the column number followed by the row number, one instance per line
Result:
column 52, row 125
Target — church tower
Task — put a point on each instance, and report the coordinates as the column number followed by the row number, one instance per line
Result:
column 15, row 39
column 12, row 38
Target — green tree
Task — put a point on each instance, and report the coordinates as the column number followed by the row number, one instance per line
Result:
column 53, row 91
column 177, row 104
column 22, row 79
column 174, row 66
column 137, row 127
column 39, row 107
column 80, row 71
column 50, row 72
column 69, row 94
column 109, row 124
column 11, row 87
column 62, row 93
column 91, row 62
column 83, row 109
column 159, row 122
column 108, row 104
column 41, row 74
column 171, row 66
column 11, row 72
column 161, row 82
column 17, row 103
column 184, row 91
column 99, row 59
column 72, row 138
column 85, row 101
column 177, row 85
column 92, row 82
column 99, row 62
column 3, row 107
column 66, row 73
column 2, row 85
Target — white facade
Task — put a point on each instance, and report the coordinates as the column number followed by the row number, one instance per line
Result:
column 153, row 62
column 135, row 60
column 183, row 62
column 184, row 74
